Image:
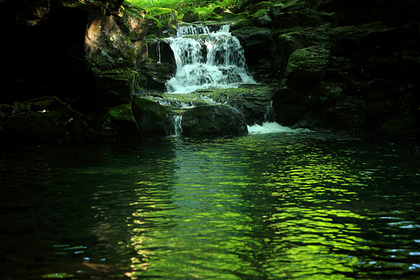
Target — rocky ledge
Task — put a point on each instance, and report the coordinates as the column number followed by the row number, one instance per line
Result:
column 79, row 69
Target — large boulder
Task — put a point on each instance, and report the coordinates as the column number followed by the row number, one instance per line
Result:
column 119, row 124
column 289, row 41
column 112, row 57
column 307, row 65
column 191, row 16
column 213, row 120
column 152, row 119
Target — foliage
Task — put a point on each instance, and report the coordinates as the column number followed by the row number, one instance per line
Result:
column 204, row 7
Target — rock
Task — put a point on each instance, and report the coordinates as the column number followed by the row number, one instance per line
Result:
column 262, row 18
column 151, row 118
column 400, row 126
column 261, row 6
column 254, row 101
column 213, row 120
column 294, row 5
column 156, row 75
column 319, row 105
column 112, row 58
column 304, row 18
column 121, row 123
column 307, row 65
column 160, row 66
column 116, row 85
column 366, row 40
column 135, row 22
column 360, row 11
column 33, row 12
column 290, row 41
column 44, row 120
column 162, row 22
column 258, row 46
column 191, row 16
column 107, row 45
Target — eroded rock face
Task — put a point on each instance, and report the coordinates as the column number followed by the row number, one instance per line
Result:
column 338, row 64
column 82, row 52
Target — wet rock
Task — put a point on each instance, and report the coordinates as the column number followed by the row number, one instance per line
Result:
column 191, row 16
column 213, row 120
column 289, row 41
column 151, row 118
column 161, row 22
column 116, row 85
column 120, row 123
column 253, row 101
column 304, row 18
column 265, row 5
column 160, row 66
column 307, row 64
column 262, row 18
column 44, row 120
column 156, row 75
column 258, row 46
column 135, row 23
column 112, row 58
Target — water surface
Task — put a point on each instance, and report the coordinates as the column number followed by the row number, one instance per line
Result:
column 265, row 206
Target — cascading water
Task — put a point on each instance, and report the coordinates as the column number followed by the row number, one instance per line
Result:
column 207, row 59
column 177, row 122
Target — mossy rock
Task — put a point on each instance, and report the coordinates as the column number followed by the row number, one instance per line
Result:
column 213, row 120
column 161, row 18
column 151, row 118
column 265, row 5
column 308, row 64
column 35, row 127
column 121, row 123
column 116, row 85
column 191, row 16
column 122, row 112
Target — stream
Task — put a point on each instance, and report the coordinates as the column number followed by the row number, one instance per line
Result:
column 275, row 204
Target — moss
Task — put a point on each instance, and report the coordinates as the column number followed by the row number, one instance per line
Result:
column 116, row 74
column 151, row 118
column 122, row 113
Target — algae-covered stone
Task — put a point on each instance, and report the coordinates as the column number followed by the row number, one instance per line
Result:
column 151, row 118
column 308, row 64
column 265, row 5
column 116, row 85
column 191, row 16
column 262, row 18
column 214, row 120
column 121, row 122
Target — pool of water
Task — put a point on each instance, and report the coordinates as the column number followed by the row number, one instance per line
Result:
column 265, row 206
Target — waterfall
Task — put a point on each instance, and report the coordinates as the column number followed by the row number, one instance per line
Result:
column 177, row 122
column 207, row 59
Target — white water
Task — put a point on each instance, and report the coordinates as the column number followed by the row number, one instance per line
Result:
column 177, row 121
column 273, row 127
column 207, row 59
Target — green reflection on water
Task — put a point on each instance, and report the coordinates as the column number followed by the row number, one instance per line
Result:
column 269, row 213
column 254, row 207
